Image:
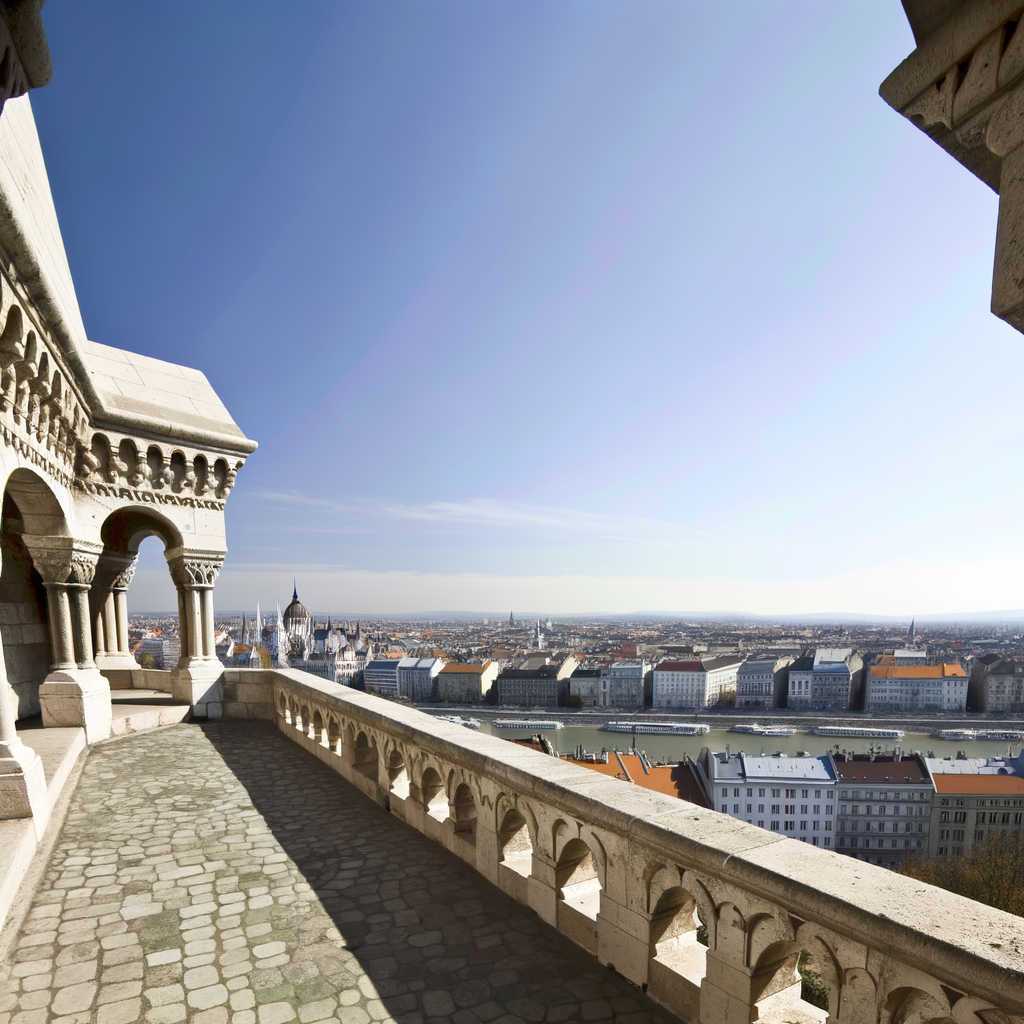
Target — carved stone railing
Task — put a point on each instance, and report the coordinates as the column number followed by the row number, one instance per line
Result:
column 643, row 880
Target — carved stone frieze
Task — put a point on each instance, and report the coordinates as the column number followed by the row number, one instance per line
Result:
column 147, row 496
column 43, row 418
column 145, row 466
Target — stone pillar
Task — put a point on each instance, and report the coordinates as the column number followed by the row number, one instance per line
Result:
column 106, row 624
column 61, row 636
column 22, row 782
column 197, row 677
column 74, row 693
column 112, row 650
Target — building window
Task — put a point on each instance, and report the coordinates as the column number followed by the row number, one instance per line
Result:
column 775, row 826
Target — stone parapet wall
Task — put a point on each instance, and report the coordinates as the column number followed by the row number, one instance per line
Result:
column 640, row 879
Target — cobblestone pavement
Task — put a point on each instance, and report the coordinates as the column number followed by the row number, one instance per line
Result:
column 221, row 874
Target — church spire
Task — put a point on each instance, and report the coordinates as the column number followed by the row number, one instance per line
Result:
column 295, row 590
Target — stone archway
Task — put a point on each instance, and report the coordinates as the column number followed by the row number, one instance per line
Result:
column 196, row 676
column 73, row 693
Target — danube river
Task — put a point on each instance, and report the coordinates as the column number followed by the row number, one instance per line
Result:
column 672, row 748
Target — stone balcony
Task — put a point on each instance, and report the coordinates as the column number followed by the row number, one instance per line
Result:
column 384, row 865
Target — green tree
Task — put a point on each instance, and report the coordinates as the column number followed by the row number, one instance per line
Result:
column 574, row 700
column 145, row 659
column 991, row 873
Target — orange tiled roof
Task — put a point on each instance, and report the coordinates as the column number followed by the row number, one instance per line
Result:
column 917, row 672
column 475, row 668
column 981, row 784
column 672, row 780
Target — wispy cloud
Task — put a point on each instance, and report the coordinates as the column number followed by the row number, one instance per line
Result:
column 489, row 513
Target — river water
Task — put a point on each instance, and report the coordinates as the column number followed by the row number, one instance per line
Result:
column 672, row 748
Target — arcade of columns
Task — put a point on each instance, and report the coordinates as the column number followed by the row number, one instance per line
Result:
column 99, row 449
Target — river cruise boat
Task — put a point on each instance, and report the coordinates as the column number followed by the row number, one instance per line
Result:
column 954, row 734
column 764, row 730
column 469, row 723
column 526, row 723
column 857, row 732
column 999, row 734
column 658, row 728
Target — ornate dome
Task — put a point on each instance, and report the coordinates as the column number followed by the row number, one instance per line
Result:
column 296, row 617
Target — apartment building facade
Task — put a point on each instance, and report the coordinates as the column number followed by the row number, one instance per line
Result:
column 792, row 796
column 380, row 676
column 916, row 688
column 977, row 800
column 622, row 684
column 544, row 682
column 997, row 686
column 831, row 682
column 762, row 682
column 884, row 808
column 417, row 678
column 459, row 683
column 695, row 683
column 585, row 683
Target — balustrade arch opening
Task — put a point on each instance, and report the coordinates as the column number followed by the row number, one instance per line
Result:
column 464, row 813
column 30, row 510
column 576, row 878
column 398, row 775
column 435, row 801
column 515, row 847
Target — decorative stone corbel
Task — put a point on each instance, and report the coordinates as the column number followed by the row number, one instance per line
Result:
column 964, row 87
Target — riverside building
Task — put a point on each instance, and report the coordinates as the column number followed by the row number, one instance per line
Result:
column 695, row 683
column 622, row 684
column 762, row 682
column 884, row 806
column 832, row 682
column 417, row 678
column 466, row 683
column 794, row 796
column 380, row 676
column 977, row 800
column 916, row 688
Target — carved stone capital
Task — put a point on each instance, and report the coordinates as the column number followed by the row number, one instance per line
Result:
column 83, row 569
column 195, row 569
column 122, row 581
column 63, row 560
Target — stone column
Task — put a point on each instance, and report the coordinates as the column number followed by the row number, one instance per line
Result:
column 82, row 572
column 22, row 782
column 112, row 649
column 197, row 678
column 74, row 693
column 106, row 624
column 61, row 636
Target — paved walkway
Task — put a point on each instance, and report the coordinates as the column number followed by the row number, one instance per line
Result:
column 219, row 874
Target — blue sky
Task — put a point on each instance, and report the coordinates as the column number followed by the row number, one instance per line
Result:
column 569, row 307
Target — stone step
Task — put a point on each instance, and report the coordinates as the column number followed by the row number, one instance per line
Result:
column 132, row 718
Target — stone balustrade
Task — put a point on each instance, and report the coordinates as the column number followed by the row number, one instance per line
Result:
column 707, row 914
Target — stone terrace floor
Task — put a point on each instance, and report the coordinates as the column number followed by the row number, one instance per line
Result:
column 219, row 873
